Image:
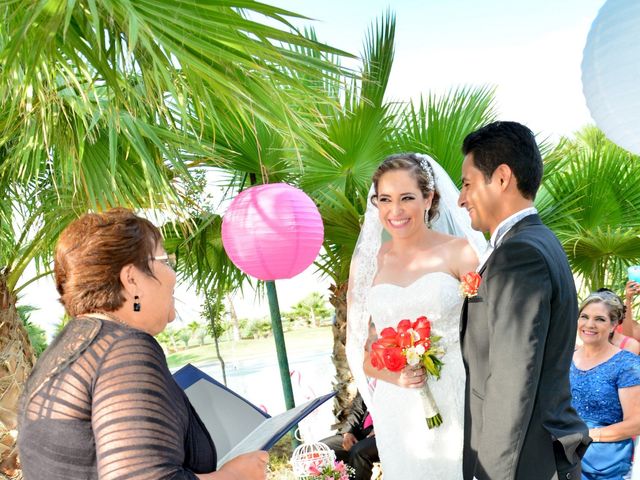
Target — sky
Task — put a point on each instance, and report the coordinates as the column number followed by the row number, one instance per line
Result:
column 529, row 50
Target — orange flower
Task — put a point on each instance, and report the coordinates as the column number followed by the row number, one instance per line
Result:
column 469, row 284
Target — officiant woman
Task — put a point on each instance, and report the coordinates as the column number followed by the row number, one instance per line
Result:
column 101, row 402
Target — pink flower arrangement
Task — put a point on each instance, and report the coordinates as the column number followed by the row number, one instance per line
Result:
column 337, row 471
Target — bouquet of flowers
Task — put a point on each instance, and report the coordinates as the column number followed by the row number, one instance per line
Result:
column 337, row 471
column 411, row 344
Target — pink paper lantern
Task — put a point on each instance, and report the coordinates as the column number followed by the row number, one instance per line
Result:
column 272, row 231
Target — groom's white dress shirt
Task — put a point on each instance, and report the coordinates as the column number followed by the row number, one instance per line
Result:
column 501, row 230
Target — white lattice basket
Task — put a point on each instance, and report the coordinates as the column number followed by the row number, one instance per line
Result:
column 309, row 454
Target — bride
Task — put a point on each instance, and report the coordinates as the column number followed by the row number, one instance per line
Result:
column 414, row 273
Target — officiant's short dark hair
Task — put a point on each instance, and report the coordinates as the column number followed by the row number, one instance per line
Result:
column 509, row 143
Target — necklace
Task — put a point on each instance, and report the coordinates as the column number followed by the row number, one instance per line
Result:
column 113, row 318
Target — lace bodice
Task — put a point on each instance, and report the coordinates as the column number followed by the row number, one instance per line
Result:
column 434, row 295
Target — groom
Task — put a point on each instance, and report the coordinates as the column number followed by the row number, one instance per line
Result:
column 518, row 333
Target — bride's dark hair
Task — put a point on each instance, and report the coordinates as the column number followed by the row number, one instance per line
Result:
column 415, row 165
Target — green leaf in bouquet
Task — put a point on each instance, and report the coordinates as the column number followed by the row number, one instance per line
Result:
column 430, row 366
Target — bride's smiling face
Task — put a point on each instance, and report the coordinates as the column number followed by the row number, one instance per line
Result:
column 400, row 203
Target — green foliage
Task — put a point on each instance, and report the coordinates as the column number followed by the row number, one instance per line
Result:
column 255, row 329
column 59, row 326
column 113, row 103
column 184, row 335
column 169, row 338
column 37, row 336
column 439, row 124
column 312, row 309
column 591, row 200
column 214, row 313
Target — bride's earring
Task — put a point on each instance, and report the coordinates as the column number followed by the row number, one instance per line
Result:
column 426, row 219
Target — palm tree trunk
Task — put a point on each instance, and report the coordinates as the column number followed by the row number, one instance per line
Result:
column 212, row 319
column 343, row 378
column 16, row 361
column 220, row 359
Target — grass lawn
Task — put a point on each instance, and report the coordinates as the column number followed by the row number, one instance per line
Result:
column 298, row 341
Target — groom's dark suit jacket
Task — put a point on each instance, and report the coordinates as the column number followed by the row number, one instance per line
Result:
column 517, row 337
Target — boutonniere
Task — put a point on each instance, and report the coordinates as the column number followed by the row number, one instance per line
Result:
column 469, row 284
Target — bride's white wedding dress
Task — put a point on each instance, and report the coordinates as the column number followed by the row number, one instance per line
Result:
column 408, row 449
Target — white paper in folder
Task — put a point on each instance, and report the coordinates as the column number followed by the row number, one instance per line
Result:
column 235, row 424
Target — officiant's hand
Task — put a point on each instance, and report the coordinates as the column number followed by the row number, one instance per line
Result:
column 248, row 466
column 412, row 377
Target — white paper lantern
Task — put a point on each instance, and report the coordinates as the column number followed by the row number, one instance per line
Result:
column 611, row 72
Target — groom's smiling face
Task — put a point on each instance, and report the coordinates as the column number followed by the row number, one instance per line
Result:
column 481, row 197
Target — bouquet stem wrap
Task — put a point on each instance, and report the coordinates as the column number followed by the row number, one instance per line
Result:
column 431, row 412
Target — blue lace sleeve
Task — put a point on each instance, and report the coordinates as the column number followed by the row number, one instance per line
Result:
column 629, row 373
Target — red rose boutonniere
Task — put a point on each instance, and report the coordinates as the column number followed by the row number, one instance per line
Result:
column 469, row 284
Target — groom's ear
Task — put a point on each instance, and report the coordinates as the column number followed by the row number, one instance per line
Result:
column 503, row 176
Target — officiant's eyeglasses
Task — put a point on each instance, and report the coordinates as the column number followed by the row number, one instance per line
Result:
column 169, row 260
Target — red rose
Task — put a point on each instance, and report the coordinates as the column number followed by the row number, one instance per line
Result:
column 425, row 342
column 469, row 284
column 388, row 332
column 422, row 326
column 376, row 355
column 405, row 339
column 388, row 337
column 404, row 325
column 387, row 342
column 421, row 322
column 394, row 360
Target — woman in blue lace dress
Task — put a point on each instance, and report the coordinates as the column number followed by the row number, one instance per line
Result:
column 605, row 384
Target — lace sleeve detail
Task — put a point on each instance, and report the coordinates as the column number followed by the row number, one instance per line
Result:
column 139, row 417
column 629, row 371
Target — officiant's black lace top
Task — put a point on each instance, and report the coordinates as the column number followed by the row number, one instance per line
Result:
column 101, row 403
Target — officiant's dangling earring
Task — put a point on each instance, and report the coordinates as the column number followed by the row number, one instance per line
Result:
column 136, row 303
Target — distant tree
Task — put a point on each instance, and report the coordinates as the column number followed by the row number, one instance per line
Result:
column 213, row 310
column 184, row 335
column 193, row 328
column 164, row 339
column 168, row 337
column 260, row 328
column 312, row 308
column 37, row 336
column 201, row 335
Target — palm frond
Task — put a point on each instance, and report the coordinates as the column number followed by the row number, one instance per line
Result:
column 590, row 197
column 202, row 260
column 341, row 218
column 438, row 125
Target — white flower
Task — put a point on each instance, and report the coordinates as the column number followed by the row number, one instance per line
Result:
column 414, row 354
